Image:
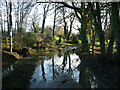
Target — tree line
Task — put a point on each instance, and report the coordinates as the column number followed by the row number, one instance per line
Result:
column 97, row 21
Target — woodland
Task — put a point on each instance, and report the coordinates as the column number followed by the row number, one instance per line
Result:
column 33, row 32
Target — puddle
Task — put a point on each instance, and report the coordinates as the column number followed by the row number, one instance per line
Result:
column 51, row 68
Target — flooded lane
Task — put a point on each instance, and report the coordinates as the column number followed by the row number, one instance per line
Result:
column 48, row 70
column 51, row 72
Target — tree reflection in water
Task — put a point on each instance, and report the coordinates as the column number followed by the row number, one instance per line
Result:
column 87, row 79
column 70, row 69
column 43, row 72
column 64, row 61
column 52, row 67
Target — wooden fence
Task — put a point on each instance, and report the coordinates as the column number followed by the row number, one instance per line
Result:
column 6, row 42
column 96, row 49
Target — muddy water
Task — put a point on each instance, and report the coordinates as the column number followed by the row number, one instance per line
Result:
column 65, row 68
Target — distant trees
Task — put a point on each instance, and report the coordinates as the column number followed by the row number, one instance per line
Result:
column 97, row 22
column 65, row 23
column 54, row 20
column 59, row 31
column 46, row 8
column 29, row 39
column 48, row 31
column 20, row 12
column 7, row 10
column 2, row 18
column 65, row 17
column 12, row 16
column 71, row 18
column 1, row 21
column 35, row 22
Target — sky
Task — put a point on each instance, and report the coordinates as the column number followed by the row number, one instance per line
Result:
column 50, row 18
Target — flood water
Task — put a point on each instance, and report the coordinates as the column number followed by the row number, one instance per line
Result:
column 7, row 70
column 62, row 68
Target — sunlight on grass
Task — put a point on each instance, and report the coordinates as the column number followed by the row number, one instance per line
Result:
column 79, row 41
column 66, row 44
column 56, row 38
column 97, row 43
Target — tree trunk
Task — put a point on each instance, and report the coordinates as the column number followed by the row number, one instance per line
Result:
column 7, row 18
column 65, row 24
column 1, row 24
column 70, row 30
column 43, row 24
column 99, row 28
column 2, row 28
column 112, row 35
column 54, row 21
column 93, row 41
column 116, row 26
column 83, row 29
column 83, row 22
column 46, row 8
column 110, row 46
column 65, row 29
column 4, row 24
column 83, row 33
column 10, row 25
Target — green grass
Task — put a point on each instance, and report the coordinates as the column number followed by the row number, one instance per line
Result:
column 56, row 38
column 97, row 43
column 66, row 44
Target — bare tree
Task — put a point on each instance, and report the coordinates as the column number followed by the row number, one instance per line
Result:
column 1, row 20
column 54, row 19
column 7, row 10
column 46, row 9
column 71, row 18
column 35, row 21
column 22, row 9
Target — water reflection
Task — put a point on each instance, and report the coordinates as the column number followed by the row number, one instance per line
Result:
column 49, row 68
column 53, row 68
column 7, row 70
column 88, row 79
column 43, row 72
column 59, row 54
